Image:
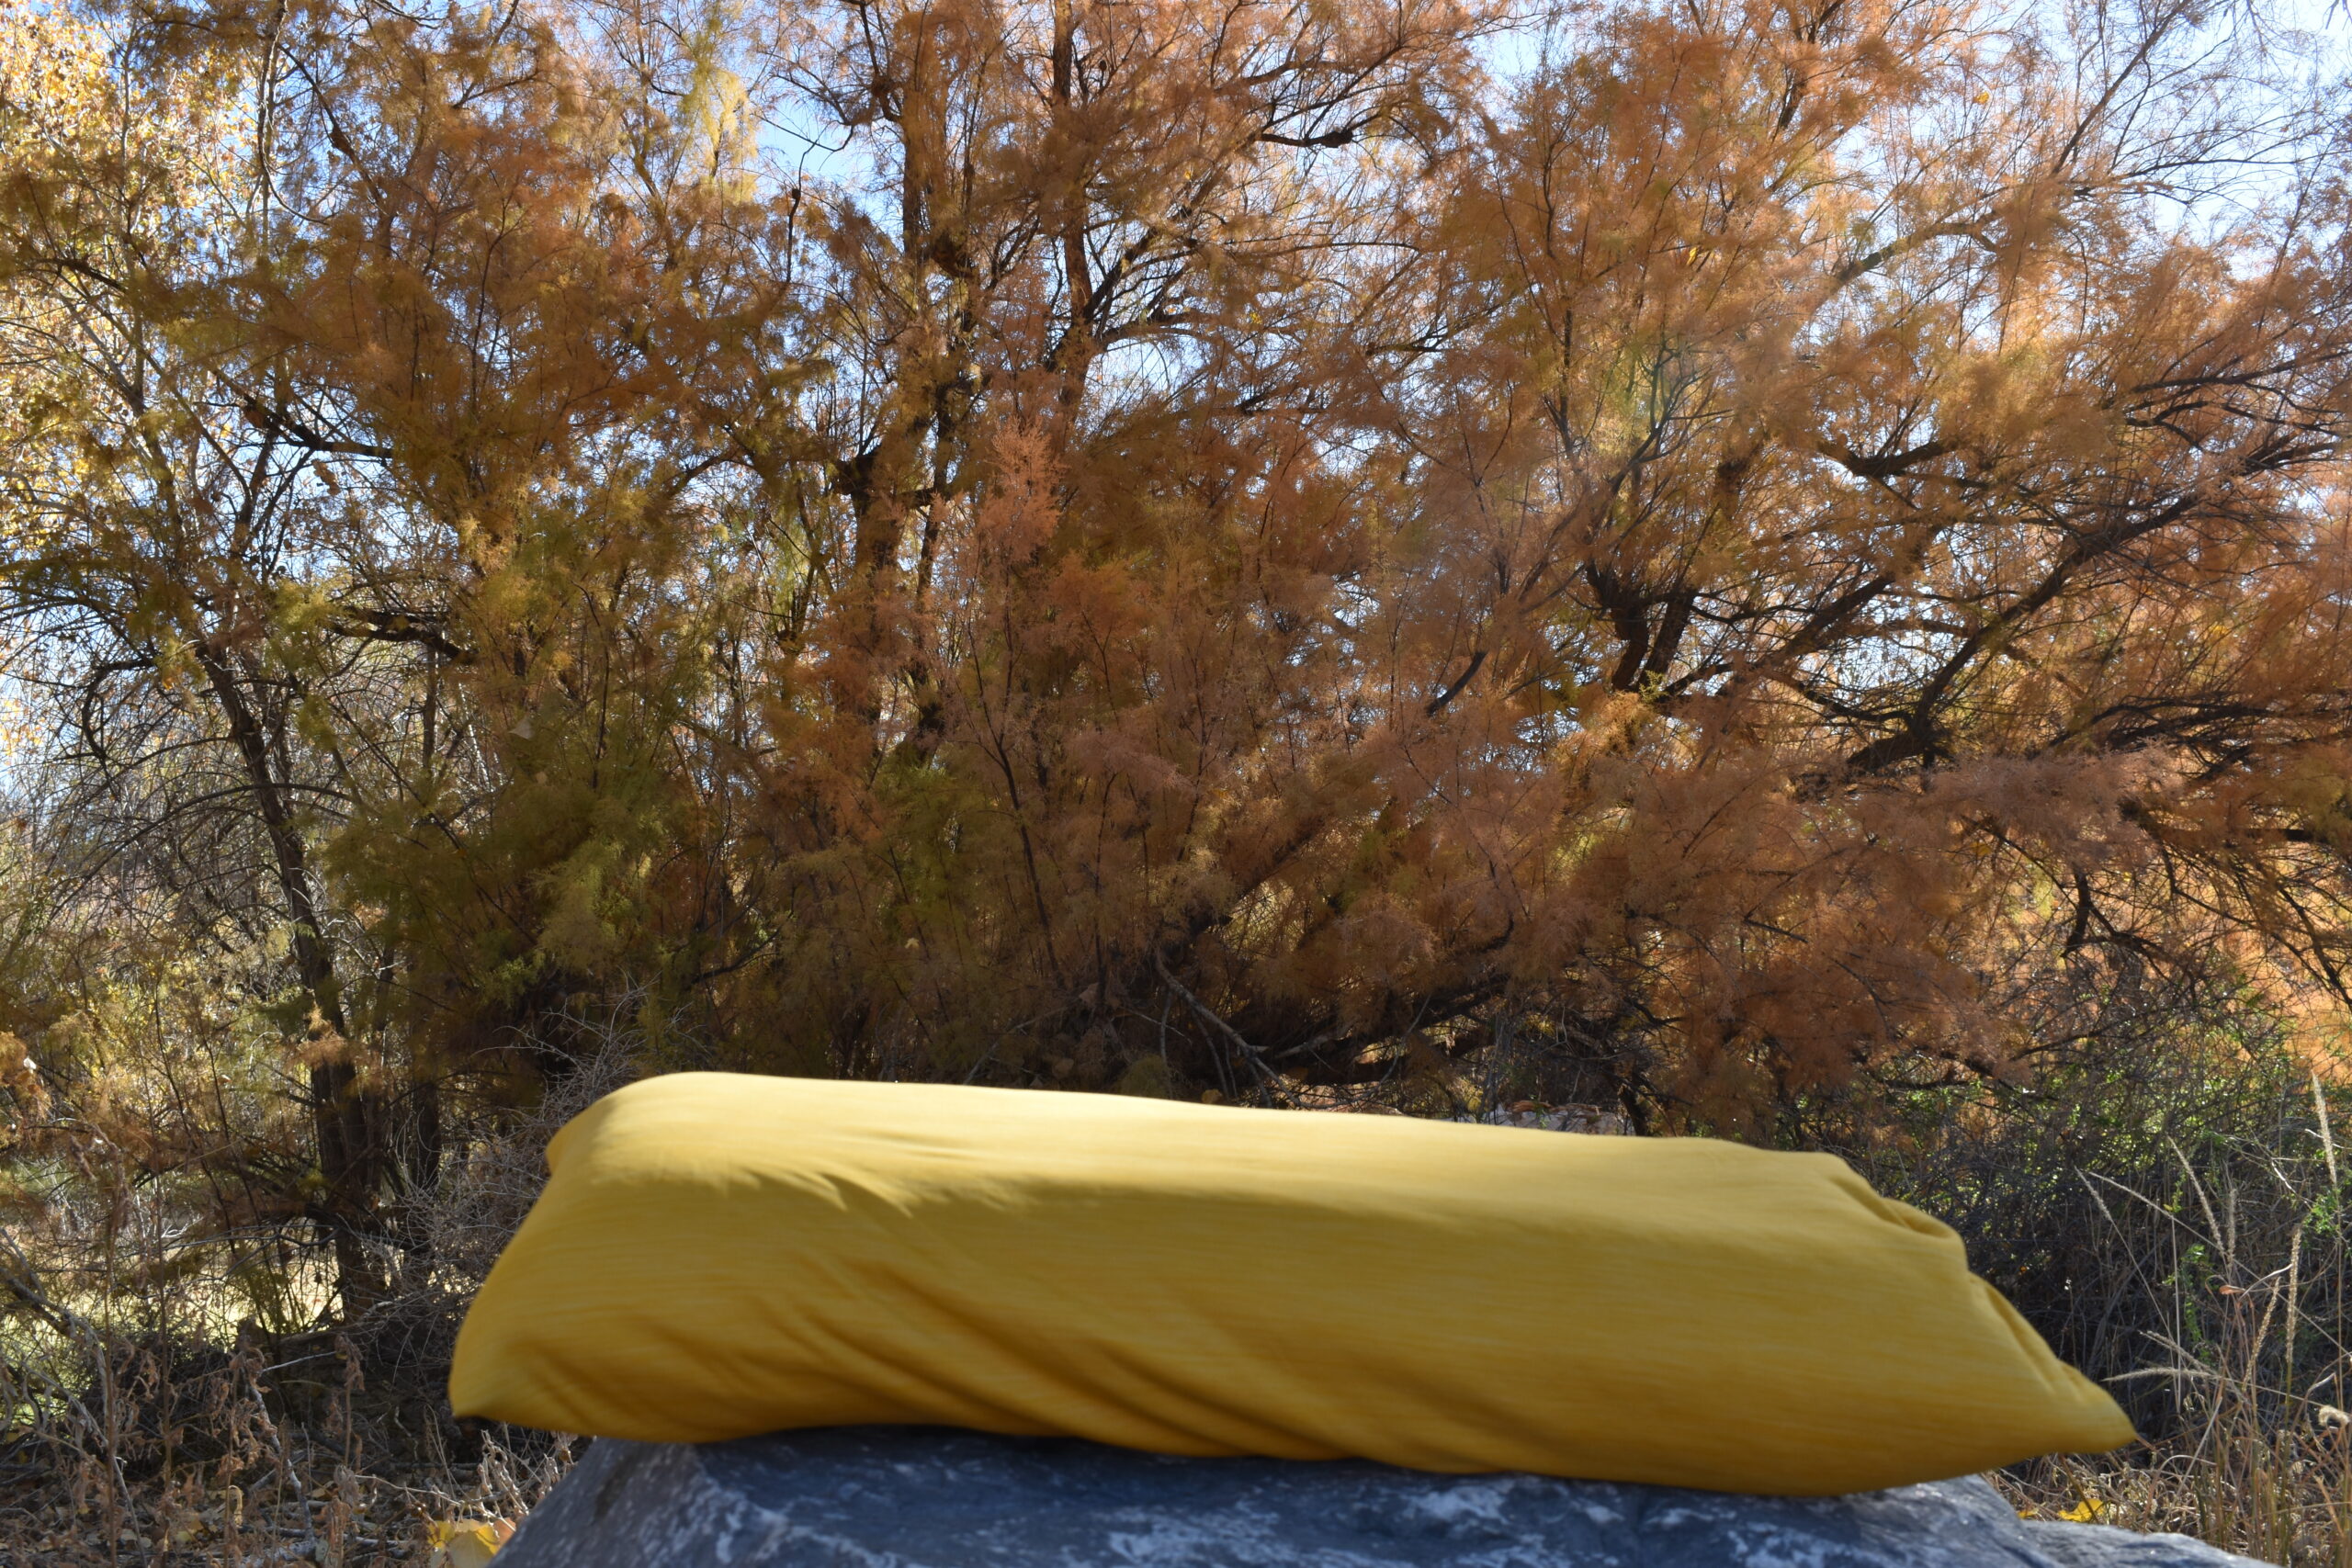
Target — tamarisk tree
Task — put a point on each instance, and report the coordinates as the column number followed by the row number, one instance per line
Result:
column 1718, row 559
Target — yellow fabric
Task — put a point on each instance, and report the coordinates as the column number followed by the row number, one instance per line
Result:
column 716, row 1256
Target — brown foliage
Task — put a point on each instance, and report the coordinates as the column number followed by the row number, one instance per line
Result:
column 1717, row 561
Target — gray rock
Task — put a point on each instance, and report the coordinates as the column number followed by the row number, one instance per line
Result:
column 920, row 1497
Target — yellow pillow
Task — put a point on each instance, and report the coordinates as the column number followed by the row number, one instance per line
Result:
column 716, row 1256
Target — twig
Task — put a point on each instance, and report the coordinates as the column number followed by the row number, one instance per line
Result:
column 1255, row 1058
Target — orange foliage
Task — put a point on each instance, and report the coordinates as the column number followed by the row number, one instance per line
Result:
column 1692, row 557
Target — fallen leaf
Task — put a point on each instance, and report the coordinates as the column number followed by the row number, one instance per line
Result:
column 465, row 1543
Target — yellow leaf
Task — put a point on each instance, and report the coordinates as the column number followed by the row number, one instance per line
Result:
column 465, row 1543
column 2087, row 1512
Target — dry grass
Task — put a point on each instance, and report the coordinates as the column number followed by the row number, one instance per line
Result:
column 148, row 1423
column 2199, row 1270
column 2257, row 1467
column 265, row 1482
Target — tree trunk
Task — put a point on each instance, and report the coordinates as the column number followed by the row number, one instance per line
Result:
column 344, row 1113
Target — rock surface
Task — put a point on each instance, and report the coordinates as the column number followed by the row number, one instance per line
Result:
column 917, row 1497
